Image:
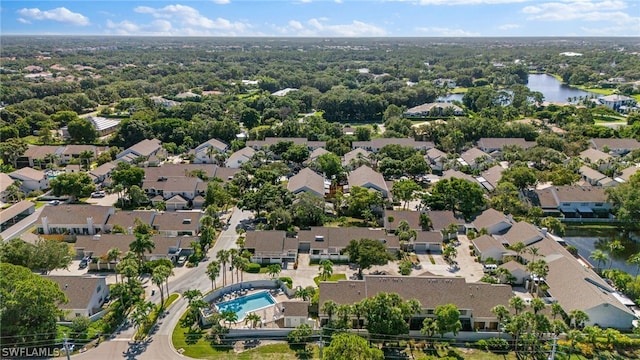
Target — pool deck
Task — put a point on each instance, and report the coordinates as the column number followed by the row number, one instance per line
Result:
column 270, row 314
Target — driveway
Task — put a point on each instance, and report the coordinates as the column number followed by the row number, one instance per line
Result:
column 108, row 200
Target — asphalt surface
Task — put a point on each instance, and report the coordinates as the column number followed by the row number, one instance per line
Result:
column 158, row 346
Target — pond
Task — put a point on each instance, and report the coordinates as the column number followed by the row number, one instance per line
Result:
column 554, row 90
column 587, row 241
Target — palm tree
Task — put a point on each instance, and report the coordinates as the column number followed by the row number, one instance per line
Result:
column 213, row 271
column 274, row 270
column 253, row 319
column 326, row 269
column 229, row 317
column 113, row 255
column 141, row 313
column 517, row 304
column 158, row 278
column 537, row 305
column 615, row 247
column 140, row 245
column 412, row 307
column 223, row 258
column 635, row 260
column 329, row 307
column 305, row 293
column 502, row 313
column 518, row 248
column 578, row 318
column 556, row 309
column 599, row 256
column 534, row 251
column 129, row 268
column 164, row 272
column 358, row 309
column 574, row 337
column 85, row 157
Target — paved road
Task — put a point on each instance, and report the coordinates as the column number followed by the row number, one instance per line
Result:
column 158, row 346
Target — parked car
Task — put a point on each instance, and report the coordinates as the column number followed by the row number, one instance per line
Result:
column 85, row 262
column 54, row 202
column 98, row 194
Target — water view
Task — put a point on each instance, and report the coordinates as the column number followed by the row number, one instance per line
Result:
column 552, row 89
column 588, row 241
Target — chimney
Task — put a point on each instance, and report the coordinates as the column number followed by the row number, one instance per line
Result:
column 544, row 231
column 45, row 225
column 90, row 225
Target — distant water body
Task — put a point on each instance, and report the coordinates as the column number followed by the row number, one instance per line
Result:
column 552, row 89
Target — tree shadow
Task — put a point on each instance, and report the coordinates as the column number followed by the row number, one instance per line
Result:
column 136, row 348
column 305, row 353
column 193, row 336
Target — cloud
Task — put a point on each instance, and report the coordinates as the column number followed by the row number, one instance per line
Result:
column 321, row 27
column 508, row 27
column 447, row 32
column 191, row 19
column 222, row 2
column 468, row 2
column 582, row 10
column 24, row 21
column 125, row 27
column 60, row 14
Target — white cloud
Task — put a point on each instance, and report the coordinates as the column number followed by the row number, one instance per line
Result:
column 60, row 14
column 191, row 18
column 447, row 32
column 125, row 27
column 222, row 2
column 508, row 27
column 468, row 2
column 321, row 27
column 582, row 10
column 24, row 21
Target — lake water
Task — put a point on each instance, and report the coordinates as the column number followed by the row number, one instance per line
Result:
column 586, row 243
column 552, row 89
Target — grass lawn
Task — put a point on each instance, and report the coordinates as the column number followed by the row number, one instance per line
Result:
column 636, row 96
column 459, row 90
column 597, row 90
column 334, row 277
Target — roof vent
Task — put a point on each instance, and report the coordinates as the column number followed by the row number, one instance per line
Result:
column 319, row 238
column 186, row 221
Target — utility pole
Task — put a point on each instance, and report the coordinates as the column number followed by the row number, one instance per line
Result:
column 66, row 346
column 320, row 346
column 552, row 356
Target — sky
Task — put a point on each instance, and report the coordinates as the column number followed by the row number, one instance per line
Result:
column 323, row 18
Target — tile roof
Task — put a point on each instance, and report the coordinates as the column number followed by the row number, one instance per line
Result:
column 5, row 181
column 365, row 175
column 296, row 308
column 615, row 144
column 77, row 149
column 429, row 237
column 594, row 175
column 173, row 184
column 339, row 237
column 15, row 210
column 412, row 217
column 626, row 173
column 177, row 170
column 78, row 289
column 40, row 152
column 354, row 155
column 218, row 144
column 266, row 241
column 379, row 143
column 103, row 169
column 306, row 179
column 522, row 232
column 440, row 219
column 99, row 245
column 177, row 221
column 580, row 194
column 472, row 154
column 493, row 174
column 64, row 214
column 594, row 156
column 127, row 219
column 146, row 147
column 28, row 173
column 428, row 290
column 457, row 174
column 485, row 243
column 489, row 218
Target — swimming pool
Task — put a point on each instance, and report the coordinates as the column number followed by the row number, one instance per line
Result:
column 247, row 304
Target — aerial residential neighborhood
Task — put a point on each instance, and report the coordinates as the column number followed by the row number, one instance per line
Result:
column 165, row 198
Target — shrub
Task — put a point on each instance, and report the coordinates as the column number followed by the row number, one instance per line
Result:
column 287, row 280
column 572, row 250
column 35, row 193
column 253, row 268
column 405, row 267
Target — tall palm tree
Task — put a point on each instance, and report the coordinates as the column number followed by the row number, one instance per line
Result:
column 635, row 260
column 534, row 251
column 233, row 254
column 253, row 319
column 358, row 309
column 213, row 271
column 615, row 247
column 229, row 317
column 85, row 158
column 329, row 307
column 517, row 304
column 599, row 256
column 412, row 307
column 165, row 272
column 556, row 309
column 223, row 258
column 501, row 313
column 113, row 255
column 241, row 264
column 578, row 318
column 326, row 269
column 140, row 245
column 157, row 278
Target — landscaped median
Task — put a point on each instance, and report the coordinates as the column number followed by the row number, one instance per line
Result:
column 144, row 330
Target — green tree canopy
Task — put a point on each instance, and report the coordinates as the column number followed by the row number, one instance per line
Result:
column 457, row 195
column 345, row 346
column 29, row 307
column 626, row 201
column 366, row 253
column 75, row 185
column 81, row 131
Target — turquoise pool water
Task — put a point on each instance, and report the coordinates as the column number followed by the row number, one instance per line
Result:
column 247, row 304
